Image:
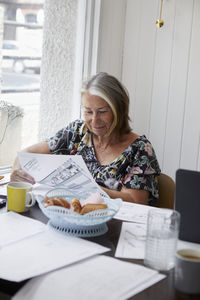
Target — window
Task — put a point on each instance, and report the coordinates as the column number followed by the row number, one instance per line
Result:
column 21, row 63
column 78, row 47
column 22, row 45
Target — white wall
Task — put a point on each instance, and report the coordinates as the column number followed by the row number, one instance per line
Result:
column 111, row 36
column 160, row 68
column 1, row 41
column 58, row 64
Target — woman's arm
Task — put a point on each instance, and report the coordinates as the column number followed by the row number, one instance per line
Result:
column 17, row 173
column 129, row 195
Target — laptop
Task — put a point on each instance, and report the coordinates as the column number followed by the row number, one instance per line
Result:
column 187, row 202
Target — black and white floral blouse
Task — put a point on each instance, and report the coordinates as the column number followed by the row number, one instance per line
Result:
column 136, row 167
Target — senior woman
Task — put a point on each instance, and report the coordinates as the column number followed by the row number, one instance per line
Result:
column 123, row 163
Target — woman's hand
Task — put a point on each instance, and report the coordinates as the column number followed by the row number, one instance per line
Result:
column 20, row 175
column 17, row 173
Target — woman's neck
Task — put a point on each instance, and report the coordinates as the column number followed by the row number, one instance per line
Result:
column 103, row 142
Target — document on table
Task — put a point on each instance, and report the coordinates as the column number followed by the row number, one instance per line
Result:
column 133, row 212
column 131, row 242
column 69, row 171
column 15, row 227
column 96, row 278
column 33, row 254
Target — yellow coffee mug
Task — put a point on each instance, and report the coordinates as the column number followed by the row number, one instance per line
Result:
column 19, row 196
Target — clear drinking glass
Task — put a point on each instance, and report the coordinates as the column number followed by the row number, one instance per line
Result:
column 162, row 235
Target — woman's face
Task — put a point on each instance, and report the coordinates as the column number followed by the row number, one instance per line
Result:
column 97, row 114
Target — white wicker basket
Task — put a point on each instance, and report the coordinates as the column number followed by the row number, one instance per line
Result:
column 71, row 223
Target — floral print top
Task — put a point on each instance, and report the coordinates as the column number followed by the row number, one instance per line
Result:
column 136, row 167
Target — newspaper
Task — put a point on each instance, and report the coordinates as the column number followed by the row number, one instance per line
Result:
column 68, row 171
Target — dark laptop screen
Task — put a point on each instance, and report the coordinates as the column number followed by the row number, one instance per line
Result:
column 187, row 202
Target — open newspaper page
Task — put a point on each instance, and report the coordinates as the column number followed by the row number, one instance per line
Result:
column 68, row 171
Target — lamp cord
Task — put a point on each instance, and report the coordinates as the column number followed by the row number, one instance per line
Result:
column 161, row 8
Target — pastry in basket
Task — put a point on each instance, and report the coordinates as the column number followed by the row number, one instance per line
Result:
column 93, row 202
column 57, row 201
column 91, row 207
column 76, row 205
column 94, row 198
column 88, row 207
column 82, row 207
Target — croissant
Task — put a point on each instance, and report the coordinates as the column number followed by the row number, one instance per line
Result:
column 57, row 201
column 76, row 205
column 90, row 207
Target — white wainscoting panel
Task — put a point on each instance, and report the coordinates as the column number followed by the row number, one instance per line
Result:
column 111, row 36
column 162, row 76
column 161, row 69
column 177, row 86
column 138, row 60
column 191, row 127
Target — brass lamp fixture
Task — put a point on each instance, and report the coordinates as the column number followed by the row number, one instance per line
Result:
column 160, row 22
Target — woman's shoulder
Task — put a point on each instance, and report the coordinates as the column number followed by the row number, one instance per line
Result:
column 141, row 141
column 78, row 126
column 76, row 123
column 142, row 154
column 142, row 146
column 133, row 138
column 141, row 138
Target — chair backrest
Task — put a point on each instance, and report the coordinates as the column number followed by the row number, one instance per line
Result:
column 166, row 186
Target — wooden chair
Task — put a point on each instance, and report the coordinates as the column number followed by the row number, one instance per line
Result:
column 166, row 186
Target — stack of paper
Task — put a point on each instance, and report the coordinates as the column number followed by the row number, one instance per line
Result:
column 29, row 248
column 15, row 227
column 61, row 266
column 96, row 278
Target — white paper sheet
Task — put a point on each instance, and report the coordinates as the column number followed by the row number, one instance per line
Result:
column 5, row 170
column 44, row 252
column 40, row 189
column 98, row 278
column 68, row 171
column 187, row 245
column 15, row 227
column 6, row 178
column 132, row 212
column 3, row 183
column 131, row 242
